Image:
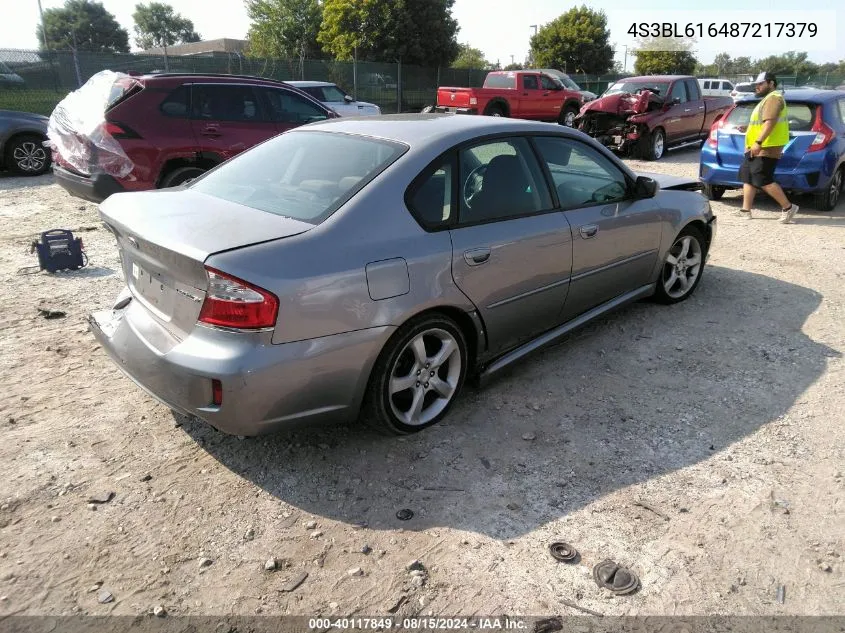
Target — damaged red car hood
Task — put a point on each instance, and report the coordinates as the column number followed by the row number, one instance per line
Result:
column 621, row 103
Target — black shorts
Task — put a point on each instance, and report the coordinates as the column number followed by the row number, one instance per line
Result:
column 758, row 171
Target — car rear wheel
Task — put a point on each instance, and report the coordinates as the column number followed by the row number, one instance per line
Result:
column 417, row 377
column 652, row 146
column 714, row 192
column 180, row 176
column 682, row 268
column 828, row 200
column 495, row 110
column 26, row 156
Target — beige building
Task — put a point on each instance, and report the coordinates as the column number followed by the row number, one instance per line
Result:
column 207, row 47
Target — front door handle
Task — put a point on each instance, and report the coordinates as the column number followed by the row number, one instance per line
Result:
column 589, row 231
column 211, row 131
column 687, row 109
column 477, row 256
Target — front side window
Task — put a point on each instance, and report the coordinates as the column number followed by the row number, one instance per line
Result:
column 500, row 179
column 679, row 91
column 302, row 175
column 289, row 107
column 548, row 83
column 582, row 176
column 332, row 94
column 529, row 82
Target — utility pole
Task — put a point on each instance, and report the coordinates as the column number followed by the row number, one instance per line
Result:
column 512, row 60
column 530, row 53
column 625, row 66
column 43, row 28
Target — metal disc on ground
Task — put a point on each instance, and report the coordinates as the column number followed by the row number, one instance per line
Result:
column 563, row 552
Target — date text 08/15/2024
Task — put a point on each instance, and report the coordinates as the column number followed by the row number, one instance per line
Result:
column 419, row 623
column 724, row 29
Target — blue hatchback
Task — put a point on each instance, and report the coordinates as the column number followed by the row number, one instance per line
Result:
column 813, row 161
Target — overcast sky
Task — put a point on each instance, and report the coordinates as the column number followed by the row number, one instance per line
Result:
column 501, row 32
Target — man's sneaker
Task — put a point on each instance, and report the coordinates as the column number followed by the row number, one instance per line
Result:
column 786, row 216
column 744, row 214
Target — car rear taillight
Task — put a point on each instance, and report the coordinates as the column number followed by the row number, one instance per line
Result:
column 713, row 139
column 233, row 303
column 824, row 134
column 119, row 130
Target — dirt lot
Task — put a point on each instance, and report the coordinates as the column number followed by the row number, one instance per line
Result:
column 723, row 415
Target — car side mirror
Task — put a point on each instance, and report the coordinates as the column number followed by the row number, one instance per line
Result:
column 348, row 98
column 676, row 101
column 645, row 187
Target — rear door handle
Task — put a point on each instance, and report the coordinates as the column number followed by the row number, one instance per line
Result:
column 211, row 131
column 477, row 256
column 589, row 230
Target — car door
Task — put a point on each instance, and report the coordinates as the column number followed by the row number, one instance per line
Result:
column 288, row 109
column 511, row 250
column 552, row 99
column 694, row 110
column 674, row 119
column 228, row 118
column 531, row 98
column 615, row 237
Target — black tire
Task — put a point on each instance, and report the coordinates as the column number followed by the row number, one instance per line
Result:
column 714, row 192
column 495, row 110
column 828, row 200
column 180, row 175
column 568, row 111
column 379, row 409
column 26, row 156
column 653, row 146
column 664, row 296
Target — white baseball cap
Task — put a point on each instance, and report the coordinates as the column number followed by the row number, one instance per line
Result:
column 764, row 76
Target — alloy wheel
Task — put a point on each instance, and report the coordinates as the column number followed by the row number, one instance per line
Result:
column 29, row 157
column 682, row 267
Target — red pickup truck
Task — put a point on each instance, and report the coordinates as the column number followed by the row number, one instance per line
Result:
column 648, row 115
column 521, row 94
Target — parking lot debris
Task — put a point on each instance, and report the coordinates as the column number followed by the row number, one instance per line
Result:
column 564, row 552
column 317, row 534
column 294, row 582
column 415, row 565
column 405, row 514
column 529, row 437
column 104, row 597
column 355, row 571
column 548, row 625
column 578, row 607
column 781, row 594
column 366, row 549
column 159, row 612
column 646, row 506
column 825, row 567
column 249, row 534
column 47, row 313
column 146, row 477
column 310, row 525
column 485, row 462
column 399, row 602
column 205, row 562
column 101, row 497
column 620, row 580
column 270, row 565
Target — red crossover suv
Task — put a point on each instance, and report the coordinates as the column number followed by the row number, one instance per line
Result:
column 171, row 128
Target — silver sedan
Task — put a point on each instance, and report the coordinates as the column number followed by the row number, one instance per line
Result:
column 367, row 267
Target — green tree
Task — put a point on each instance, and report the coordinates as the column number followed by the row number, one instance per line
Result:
column 791, row 63
column 660, row 56
column 285, row 28
column 469, row 57
column 514, row 67
column 85, row 26
column 158, row 26
column 420, row 32
column 577, row 42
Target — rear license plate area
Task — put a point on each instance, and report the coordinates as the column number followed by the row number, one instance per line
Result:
column 153, row 289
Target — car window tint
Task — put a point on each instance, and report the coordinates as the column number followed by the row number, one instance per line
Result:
column 800, row 116
column 679, row 91
column 548, row 83
column 431, row 199
column 500, row 179
column 580, row 174
column 287, row 107
column 707, row 85
column 301, row 175
column 314, row 91
column 841, row 103
column 500, row 81
column 529, row 82
column 225, row 103
column 333, row 94
column 177, row 103
column 726, row 85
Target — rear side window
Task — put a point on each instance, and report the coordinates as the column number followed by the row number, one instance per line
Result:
column 430, row 200
column 302, row 175
column 178, row 103
column 222, row 102
column 799, row 115
column 726, row 85
column 500, row 81
column 841, row 103
column 707, row 85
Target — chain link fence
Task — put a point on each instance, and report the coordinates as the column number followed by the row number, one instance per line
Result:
column 35, row 81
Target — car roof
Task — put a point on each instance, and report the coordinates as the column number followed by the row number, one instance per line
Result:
column 309, row 84
column 811, row 95
column 654, row 78
column 224, row 78
column 417, row 130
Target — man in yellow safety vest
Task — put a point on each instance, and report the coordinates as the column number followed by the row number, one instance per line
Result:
column 767, row 134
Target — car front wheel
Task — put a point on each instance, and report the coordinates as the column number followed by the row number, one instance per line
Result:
column 27, row 156
column 417, row 377
column 682, row 267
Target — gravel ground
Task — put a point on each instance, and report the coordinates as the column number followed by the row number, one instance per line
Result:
column 700, row 444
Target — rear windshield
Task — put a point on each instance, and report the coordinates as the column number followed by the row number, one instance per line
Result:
column 500, row 81
column 301, row 175
column 120, row 89
column 799, row 115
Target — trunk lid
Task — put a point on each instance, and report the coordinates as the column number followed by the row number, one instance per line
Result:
column 454, row 97
column 164, row 238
